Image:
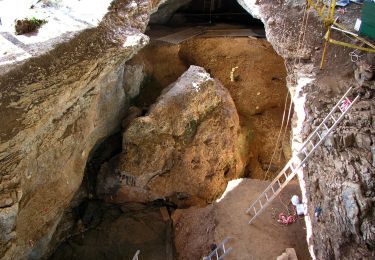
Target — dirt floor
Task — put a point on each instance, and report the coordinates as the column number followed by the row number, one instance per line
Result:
column 118, row 231
column 253, row 73
column 264, row 239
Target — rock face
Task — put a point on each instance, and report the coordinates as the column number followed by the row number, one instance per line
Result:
column 167, row 10
column 339, row 178
column 344, row 187
column 187, row 143
column 54, row 109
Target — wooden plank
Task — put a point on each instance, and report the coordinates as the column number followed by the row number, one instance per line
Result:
column 232, row 33
column 177, row 38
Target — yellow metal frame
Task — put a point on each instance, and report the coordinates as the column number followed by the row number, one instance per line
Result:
column 326, row 10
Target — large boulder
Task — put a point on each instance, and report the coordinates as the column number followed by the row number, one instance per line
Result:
column 187, row 144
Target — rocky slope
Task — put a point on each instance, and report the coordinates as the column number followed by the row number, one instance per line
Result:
column 339, row 178
column 54, row 109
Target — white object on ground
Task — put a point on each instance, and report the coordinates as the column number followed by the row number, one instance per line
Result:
column 357, row 25
column 300, row 209
column 295, row 200
column 289, row 254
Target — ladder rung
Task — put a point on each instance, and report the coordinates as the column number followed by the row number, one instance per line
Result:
column 219, row 252
column 306, row 150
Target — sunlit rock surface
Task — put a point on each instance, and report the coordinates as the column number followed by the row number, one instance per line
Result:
column 54, row 108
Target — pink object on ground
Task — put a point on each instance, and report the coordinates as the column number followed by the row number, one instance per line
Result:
column 286, row 220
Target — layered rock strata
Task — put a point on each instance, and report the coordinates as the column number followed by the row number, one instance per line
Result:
column 54, row 109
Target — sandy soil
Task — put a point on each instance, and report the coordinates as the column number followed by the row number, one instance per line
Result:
column 264, row 239
column 193, row 231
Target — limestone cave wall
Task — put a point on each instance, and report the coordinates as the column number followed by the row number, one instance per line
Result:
column 54, row 109
column 338, row 181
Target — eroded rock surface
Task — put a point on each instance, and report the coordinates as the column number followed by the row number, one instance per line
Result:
column 54, row 109
column 186, row 143
column 167, row 10
column 339, row 178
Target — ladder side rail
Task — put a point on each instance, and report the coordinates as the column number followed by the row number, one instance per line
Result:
column 291, row 176
column 308, row 140
column 330, row 130
column 326, row 118
column 226, row 253
column 269, row 187
column 289, row 164
column 294, row 170
column 274, row 193
column 135, row 257
column 215, row 251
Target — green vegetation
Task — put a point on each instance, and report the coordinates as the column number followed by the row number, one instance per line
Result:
column 28, row 25
column 190, row 131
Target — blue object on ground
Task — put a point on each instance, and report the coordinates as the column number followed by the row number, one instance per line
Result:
column 317, row 211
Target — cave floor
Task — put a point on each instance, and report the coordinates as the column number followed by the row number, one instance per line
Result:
column 264, row 239
column 118, row 231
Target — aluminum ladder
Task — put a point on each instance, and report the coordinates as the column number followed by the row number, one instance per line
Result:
column 219, row 252
column 312, row 142
column 135, row 257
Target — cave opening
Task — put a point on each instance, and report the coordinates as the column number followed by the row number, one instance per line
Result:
column 203, row 12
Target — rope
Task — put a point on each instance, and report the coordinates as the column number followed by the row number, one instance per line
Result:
column 302, row 34
column 301, row 41
column 286, row 207
column 278, row 138
column 354, row 57
column 286, row 126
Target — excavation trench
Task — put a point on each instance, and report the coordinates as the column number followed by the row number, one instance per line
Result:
column 104, row 224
